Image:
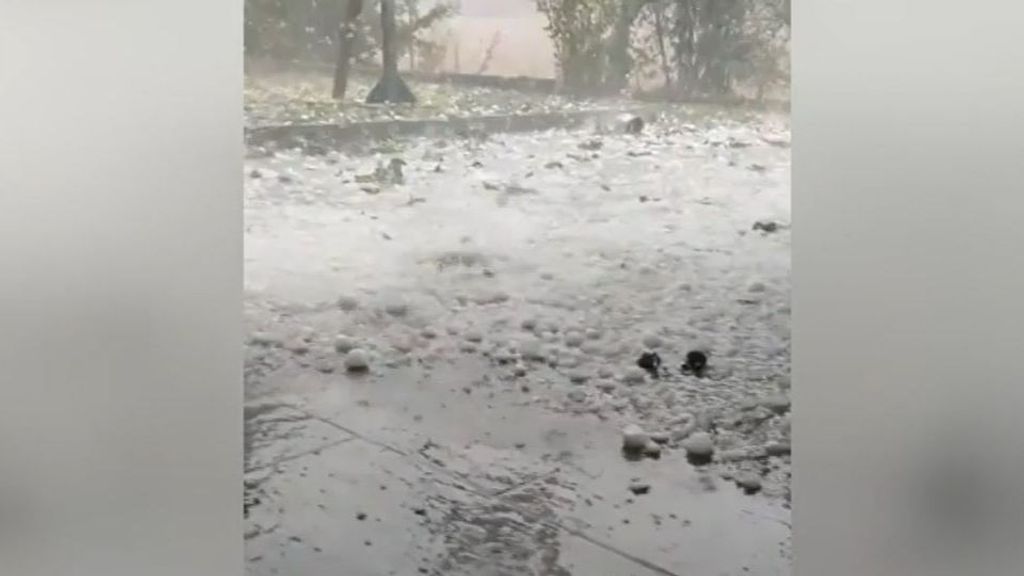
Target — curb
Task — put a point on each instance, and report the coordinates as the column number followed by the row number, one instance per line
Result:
column 361, row 133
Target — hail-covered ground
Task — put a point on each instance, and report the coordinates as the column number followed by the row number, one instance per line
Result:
column 475, row 309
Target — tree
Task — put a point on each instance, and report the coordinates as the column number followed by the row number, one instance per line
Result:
column 619, row 61
column 412, row 13
column 592, row 41
column 390, row 87
column 701, row 48
column 310, row 30
column 579, row 30
column 660, row 33
column 650, row 47
column 346, row 36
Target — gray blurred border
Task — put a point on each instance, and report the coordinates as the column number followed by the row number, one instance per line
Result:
column 120, row 287
column 909, row 288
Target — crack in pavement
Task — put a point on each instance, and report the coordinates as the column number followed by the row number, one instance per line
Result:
column 478, row 490
column 282, row 459
column 621, row 553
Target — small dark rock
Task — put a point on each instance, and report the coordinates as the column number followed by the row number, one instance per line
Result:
column 649, row 361
column 639, row 489
column 514, row 190
column 635, row 125
column 396, row 165
column 696, row 363
column 766, row 226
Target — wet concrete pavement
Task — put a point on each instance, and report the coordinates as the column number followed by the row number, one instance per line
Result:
column 502, row 316
column 459, row 485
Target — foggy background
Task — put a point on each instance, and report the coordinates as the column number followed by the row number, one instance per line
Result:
column 658, row 49
column 524, row 48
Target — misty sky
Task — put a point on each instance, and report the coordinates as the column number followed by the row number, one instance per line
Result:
column 498, row 7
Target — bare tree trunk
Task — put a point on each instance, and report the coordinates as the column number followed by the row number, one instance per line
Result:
column 390, row 87
column 659, row 32
column 685, row 32
column 346, row 34
column 619, row 61
column 414, row 15
column 485, row 62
